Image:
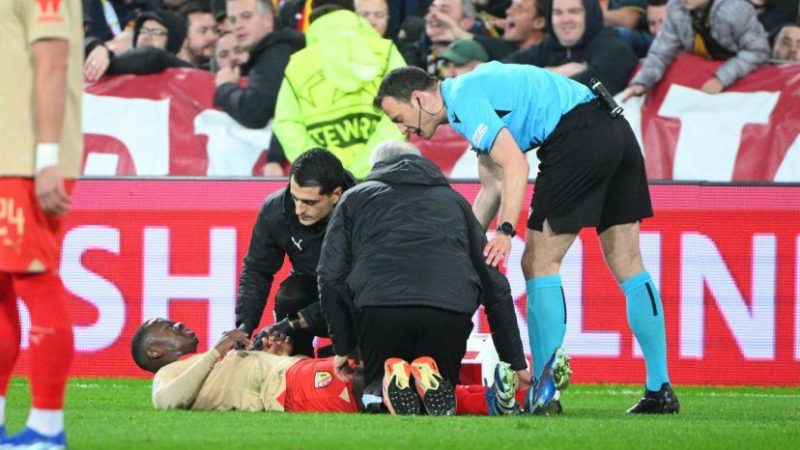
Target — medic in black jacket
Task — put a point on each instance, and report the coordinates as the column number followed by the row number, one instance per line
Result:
column 292, row 222
column 402, row 272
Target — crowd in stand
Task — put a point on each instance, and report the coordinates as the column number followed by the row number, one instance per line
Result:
column 312, row 67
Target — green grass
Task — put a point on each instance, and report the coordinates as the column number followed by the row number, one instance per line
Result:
column 117, row 414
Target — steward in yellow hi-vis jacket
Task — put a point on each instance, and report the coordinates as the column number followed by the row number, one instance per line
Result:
column 326, row 96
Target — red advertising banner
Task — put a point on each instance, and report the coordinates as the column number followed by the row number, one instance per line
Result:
column 166, row 124
column 726, row 260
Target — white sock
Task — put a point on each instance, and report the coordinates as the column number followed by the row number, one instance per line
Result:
column 366, row 399
column 2, row 410
column 48, row 422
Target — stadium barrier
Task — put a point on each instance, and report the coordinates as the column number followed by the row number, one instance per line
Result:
column 726, row 260
column 165, row 124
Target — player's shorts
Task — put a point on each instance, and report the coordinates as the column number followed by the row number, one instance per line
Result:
column 591, row 174
column 311, row 386
column 30, row 240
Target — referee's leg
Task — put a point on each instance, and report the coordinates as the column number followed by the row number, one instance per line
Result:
column 643, row 302
column 547, row 318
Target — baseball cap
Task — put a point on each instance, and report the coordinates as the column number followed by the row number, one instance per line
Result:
column 462, row 51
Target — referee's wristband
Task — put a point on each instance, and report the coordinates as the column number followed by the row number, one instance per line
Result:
column 46, row 156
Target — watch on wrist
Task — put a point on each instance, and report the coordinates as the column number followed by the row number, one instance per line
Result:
column 507, row 229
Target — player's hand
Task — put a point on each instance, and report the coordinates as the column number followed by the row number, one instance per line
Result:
column 96, row 63
column 524, row 378
column 343, row 369
column 634, row 90
column 232, row 339
column 49, row 187
column 278, row 344
column 497, row 249
column 712, row 86
column 228, row 75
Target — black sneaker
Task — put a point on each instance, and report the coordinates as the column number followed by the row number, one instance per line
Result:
column 663, row 401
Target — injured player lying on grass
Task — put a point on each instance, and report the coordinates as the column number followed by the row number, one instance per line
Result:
column 225, row 378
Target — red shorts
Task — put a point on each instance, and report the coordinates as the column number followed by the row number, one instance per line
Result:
column 30, row 240
column 311, row 386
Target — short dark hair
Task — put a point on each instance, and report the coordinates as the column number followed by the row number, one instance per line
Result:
column 318, row 167
column 320, row 11
column 656, row 2
column 139, row 350
column 195, row 6
column 401, row 82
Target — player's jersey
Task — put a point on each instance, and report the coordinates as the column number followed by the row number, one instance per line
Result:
column 526, row 100
column 23, row 23
column 241, row 380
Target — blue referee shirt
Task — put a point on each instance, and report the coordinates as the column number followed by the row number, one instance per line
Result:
column 526, row 100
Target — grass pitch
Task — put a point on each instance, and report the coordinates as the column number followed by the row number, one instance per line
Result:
column 117, row 414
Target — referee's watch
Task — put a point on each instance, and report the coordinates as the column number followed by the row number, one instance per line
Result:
column 507, row 229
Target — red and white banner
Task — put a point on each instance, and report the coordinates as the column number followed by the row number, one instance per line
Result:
column 165, row 124
column 726, row 261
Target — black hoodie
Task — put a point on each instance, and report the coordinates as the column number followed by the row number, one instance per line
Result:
column 254, row 106
column 608, row 57
column 404, row 237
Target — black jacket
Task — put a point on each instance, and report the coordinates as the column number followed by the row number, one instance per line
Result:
column 254, row 106
column 143, row 61
column 608, row 57
column 278, row 233
column 404, row 237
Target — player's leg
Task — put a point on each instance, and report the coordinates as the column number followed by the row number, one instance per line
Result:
column 9, row 339
column 50, row 350
column 311, row 386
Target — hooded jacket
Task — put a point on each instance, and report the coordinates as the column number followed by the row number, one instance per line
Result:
column 734, row 25
column 325, row 99
column 607, row 56
column 254, row 106
column 174, row 23
column 278, row 233
column 403, row 238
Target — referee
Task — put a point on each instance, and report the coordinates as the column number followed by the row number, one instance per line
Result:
column 591, row 175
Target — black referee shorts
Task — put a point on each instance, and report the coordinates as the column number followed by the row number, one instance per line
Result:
column 591, row 174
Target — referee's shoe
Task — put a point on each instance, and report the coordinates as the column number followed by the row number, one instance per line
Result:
column 662, row 401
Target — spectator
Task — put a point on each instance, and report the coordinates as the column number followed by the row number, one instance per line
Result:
column 202, row 34
column 221, row 15
column 525, row 27
column 444, row 20
column 296, row 14
column 376, row 12
column 577, row 46
column 656, row 12
column 417, row 299
column 628, row 17
column 721, row 29
column 325, row 99
column 155, row 51
column 462, row 56
column 252, row 22
column 787, row 44
column 228, row 52
column 526, row 23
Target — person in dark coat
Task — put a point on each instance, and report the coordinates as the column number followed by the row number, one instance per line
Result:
column 253, row 22
column 402, row 272
column 577, row 46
